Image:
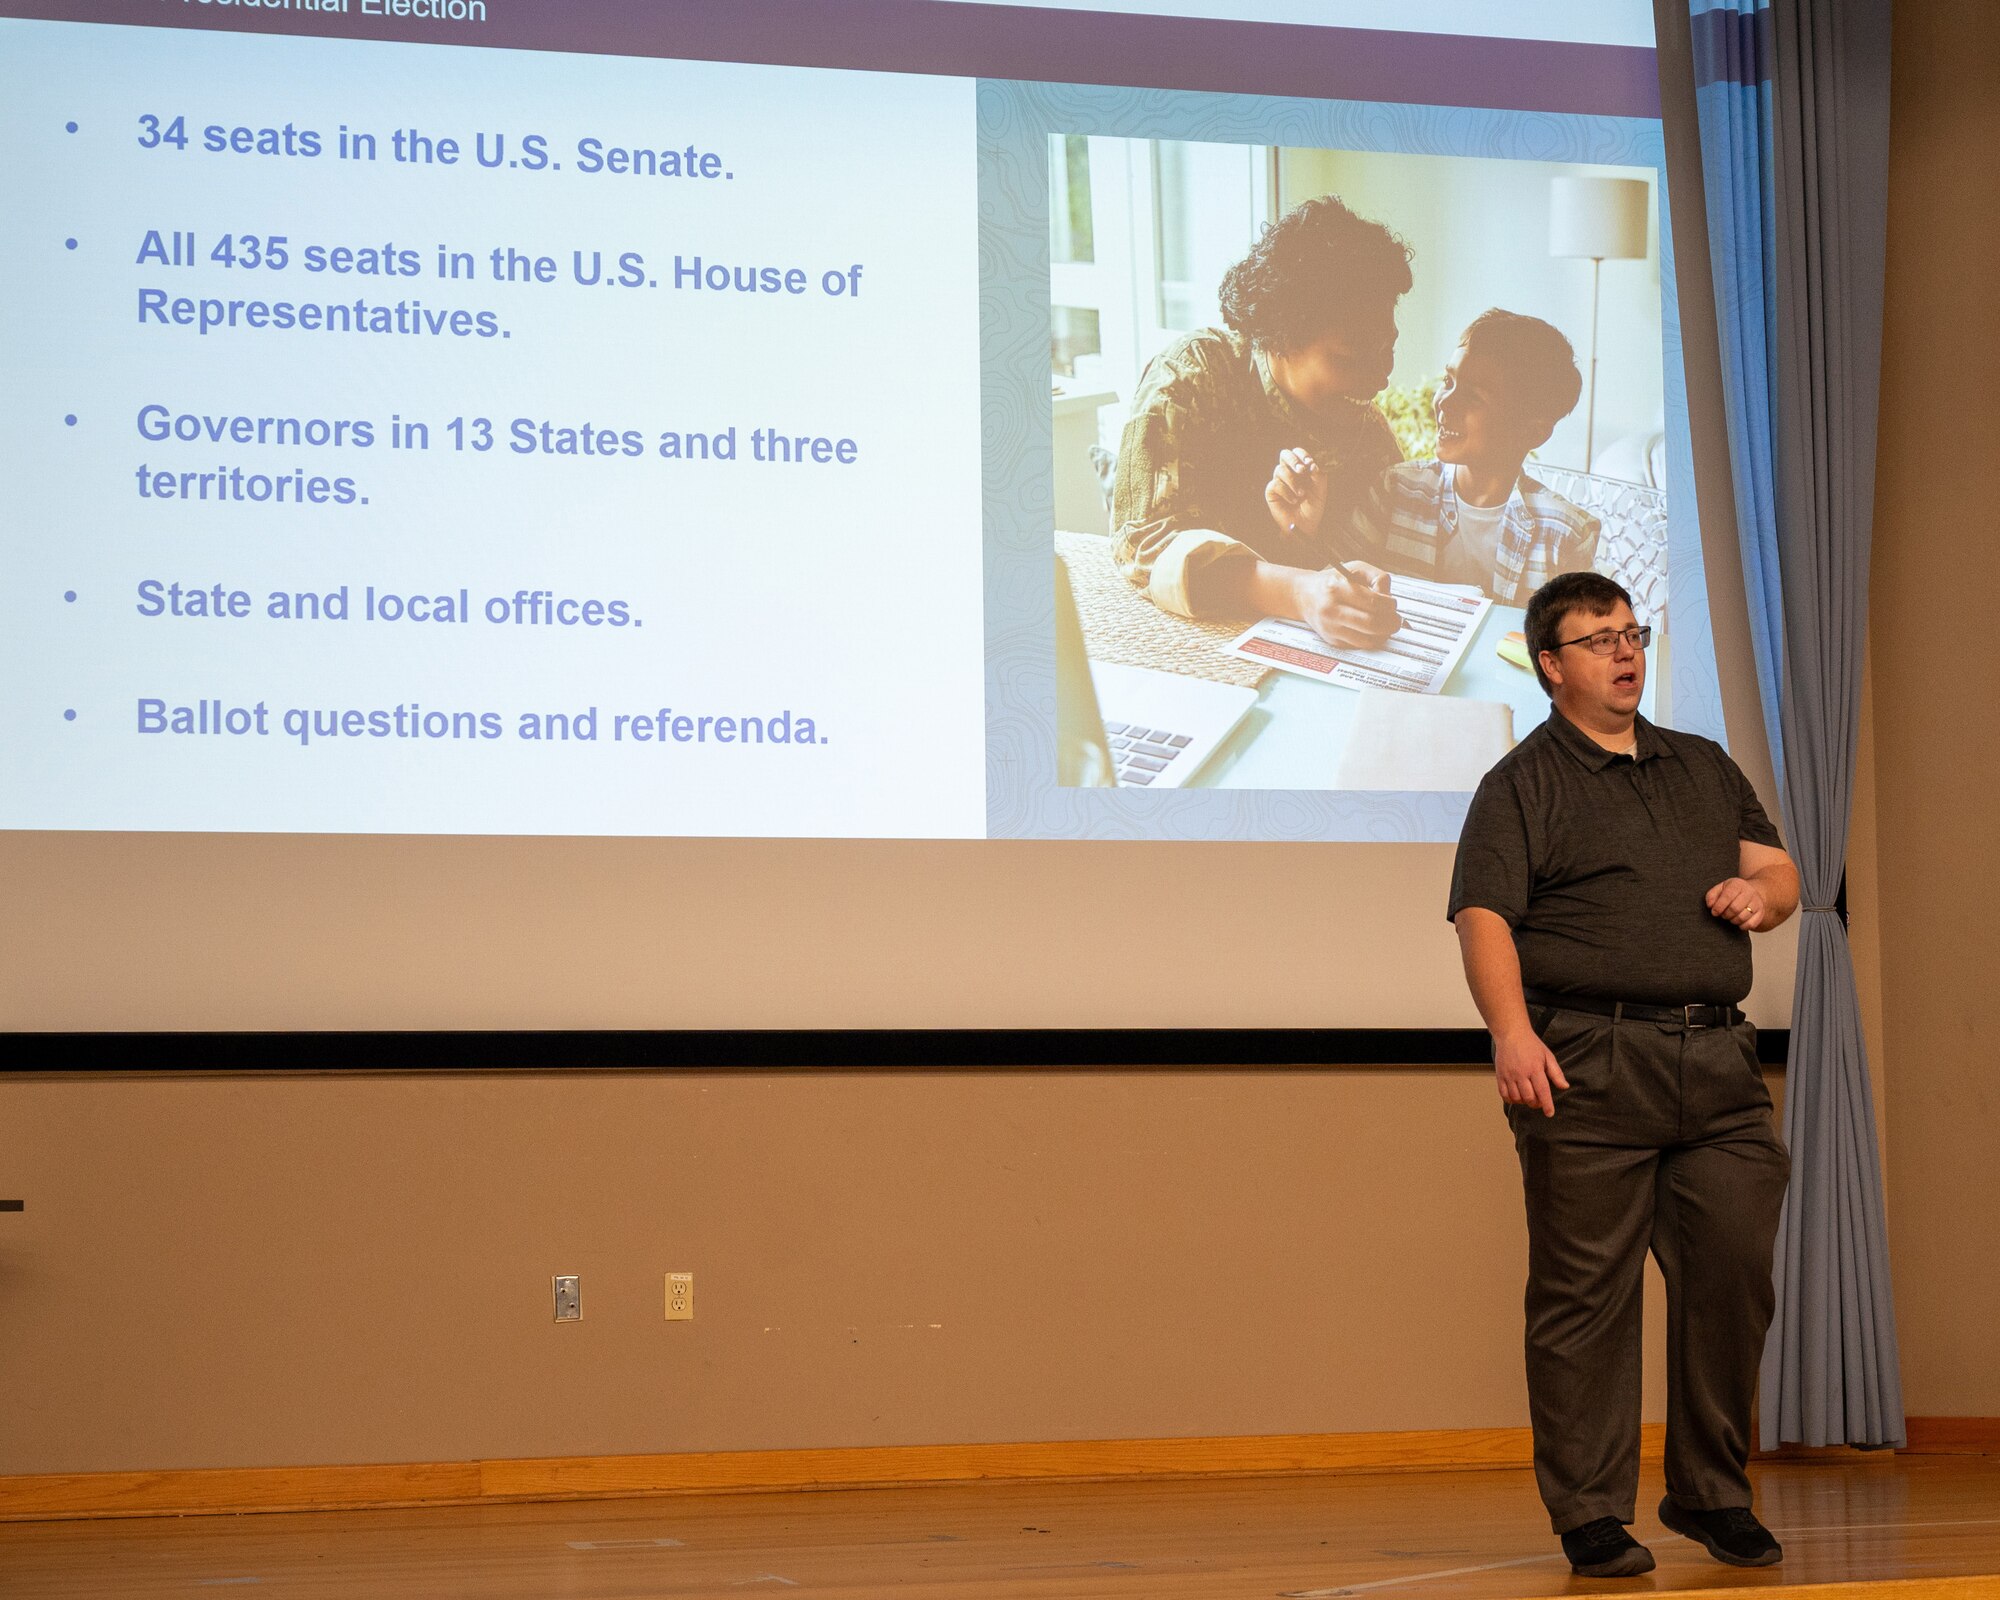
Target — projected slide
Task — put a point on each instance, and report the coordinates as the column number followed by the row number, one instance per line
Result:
column 436, row 438
column 1332, row 388
column 409, row 439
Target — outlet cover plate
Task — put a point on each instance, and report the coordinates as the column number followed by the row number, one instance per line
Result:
column 569, row 1298
column 680, row 1297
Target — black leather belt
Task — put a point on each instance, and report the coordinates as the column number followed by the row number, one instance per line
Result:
column 1626, row 1010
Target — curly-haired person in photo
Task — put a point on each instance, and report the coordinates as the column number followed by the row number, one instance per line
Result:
column 1249, row 446
column 1473, row 515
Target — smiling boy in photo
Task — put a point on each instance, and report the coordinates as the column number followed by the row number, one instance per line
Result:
column 1471, row 514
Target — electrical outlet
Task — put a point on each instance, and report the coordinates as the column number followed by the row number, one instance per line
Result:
column 569, row 1298
column 680, row 1297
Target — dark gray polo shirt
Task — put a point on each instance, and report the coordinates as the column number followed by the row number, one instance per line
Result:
column 1600, row 862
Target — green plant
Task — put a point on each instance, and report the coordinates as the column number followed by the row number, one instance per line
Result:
column 1412, row 418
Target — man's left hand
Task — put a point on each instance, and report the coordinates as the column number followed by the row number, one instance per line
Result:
column 1742, row 902
column 1296, row 494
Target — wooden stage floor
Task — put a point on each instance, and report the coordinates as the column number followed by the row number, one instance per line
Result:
column 1462, row 1535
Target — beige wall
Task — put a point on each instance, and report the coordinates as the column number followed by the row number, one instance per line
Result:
column 1935, row 663
column 276, row 1271
column 281, row 1271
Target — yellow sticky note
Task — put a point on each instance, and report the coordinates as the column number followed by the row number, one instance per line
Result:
column 1514, row 648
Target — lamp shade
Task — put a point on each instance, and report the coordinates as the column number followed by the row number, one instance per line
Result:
column 1603, row 218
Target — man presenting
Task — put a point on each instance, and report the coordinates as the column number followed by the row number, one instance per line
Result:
column 1608, row 880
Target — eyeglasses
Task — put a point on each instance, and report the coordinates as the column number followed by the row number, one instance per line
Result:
column 1602, row 644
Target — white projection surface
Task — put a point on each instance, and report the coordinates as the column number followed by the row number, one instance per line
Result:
column 480, row 485
column 607, row 515
column 431, row 438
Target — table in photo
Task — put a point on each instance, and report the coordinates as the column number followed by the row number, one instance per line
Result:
column 1295, row 734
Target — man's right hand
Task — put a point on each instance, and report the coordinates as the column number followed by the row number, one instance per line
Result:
column 1527, row 1072
column 1355, row 611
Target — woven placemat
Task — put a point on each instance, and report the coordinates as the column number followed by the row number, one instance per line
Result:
column 1122, row 625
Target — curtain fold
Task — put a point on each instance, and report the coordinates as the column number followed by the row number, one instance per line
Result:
column 1793, row 102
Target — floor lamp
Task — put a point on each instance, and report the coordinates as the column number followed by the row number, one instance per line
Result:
column 1603, row 219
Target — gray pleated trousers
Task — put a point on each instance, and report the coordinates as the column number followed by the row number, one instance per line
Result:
column 1663, row 1141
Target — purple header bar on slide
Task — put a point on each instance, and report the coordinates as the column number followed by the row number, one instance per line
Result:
column 977, row 41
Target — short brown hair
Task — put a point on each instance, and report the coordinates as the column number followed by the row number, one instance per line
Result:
column 1318, row 270
column 1535, row 363
column 1589, row 592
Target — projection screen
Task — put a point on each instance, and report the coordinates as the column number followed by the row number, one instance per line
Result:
column 809, row 515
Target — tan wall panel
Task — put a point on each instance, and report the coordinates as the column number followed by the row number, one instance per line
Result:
column 218, row 1272
column 1936, row 662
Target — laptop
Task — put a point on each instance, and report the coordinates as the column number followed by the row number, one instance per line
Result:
column 1132, row 726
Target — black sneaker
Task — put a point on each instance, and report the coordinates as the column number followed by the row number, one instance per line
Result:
column 1732, row 1534
column 1603, row 1549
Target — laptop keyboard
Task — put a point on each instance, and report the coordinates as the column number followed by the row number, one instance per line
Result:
column 1142, row 754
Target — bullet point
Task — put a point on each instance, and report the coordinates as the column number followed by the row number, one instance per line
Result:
column 70, row 596
column 70, row 420
column 69, row 716
column 69, row 127
column 69, row 244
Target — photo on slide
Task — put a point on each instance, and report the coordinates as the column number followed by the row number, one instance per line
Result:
column 1322, row 421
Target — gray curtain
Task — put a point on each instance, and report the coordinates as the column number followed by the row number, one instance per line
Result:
column 1830, row 1369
